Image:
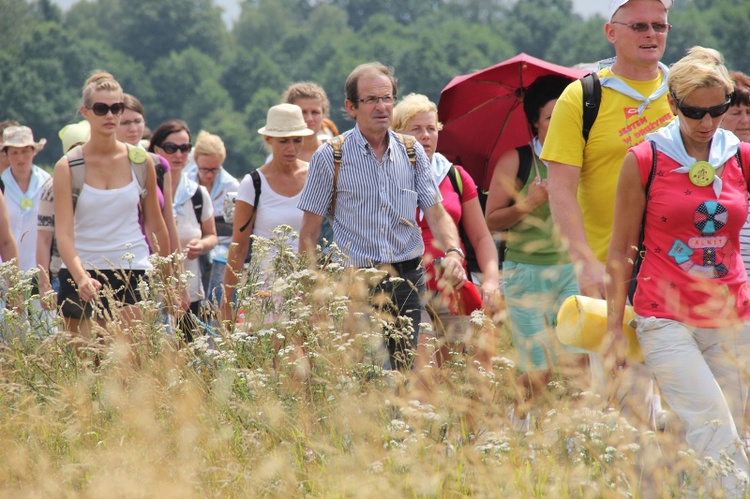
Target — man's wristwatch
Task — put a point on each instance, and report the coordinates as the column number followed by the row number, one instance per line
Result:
column 456, row 250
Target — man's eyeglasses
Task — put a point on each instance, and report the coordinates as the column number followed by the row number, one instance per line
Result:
column 697, row 113
column 208, row 171
column 171, row 147
column 137, row 122
column 643, row 27
column 372, row 100
column 101, row 109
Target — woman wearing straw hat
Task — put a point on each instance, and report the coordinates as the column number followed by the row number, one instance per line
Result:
column 23, row 183
column 281, row 182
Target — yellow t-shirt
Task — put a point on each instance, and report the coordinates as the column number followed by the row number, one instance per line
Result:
column 617, row 128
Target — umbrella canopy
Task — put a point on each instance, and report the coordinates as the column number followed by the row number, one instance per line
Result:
column 482, row 113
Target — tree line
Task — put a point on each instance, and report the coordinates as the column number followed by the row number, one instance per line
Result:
column 183, row 61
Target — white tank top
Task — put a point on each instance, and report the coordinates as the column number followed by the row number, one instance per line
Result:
column 106, row 228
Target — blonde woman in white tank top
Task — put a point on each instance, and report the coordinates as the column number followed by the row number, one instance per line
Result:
column 100, row 240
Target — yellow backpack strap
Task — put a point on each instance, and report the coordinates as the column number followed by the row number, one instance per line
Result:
column 408, row 141
column 336, row 143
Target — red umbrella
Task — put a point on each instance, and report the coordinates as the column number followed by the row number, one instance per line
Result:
column 482, row 113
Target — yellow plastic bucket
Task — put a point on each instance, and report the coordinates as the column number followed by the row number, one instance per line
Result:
column 582, row 323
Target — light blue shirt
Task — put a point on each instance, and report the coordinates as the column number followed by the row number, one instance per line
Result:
column 376, row 205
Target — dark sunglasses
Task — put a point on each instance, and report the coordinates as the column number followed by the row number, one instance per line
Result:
column 643, row 27
column 101, row 109
column 171, row 147
column 697, row 113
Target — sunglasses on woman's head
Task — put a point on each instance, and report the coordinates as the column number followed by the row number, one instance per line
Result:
column 171, row 147
column 697, row 113
column 101, row 109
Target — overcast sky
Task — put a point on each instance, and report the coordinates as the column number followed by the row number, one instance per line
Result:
column 232, row 7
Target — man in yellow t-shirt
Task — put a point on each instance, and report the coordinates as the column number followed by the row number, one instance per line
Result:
column 583, row 174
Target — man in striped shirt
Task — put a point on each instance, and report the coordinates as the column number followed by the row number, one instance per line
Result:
column 377, row 195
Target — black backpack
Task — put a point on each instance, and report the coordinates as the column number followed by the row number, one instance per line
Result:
column 592, row 99
column 255, row 176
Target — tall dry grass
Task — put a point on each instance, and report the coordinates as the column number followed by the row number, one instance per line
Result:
column 229, row 417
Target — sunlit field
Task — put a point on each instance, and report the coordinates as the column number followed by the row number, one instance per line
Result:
column 228, row 416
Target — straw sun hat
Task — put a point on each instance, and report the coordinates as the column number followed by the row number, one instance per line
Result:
column 21, row 136
column 285, row 120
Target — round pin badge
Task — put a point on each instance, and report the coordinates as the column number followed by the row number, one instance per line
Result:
column 137, row 155
column 27, row 203
column 702, row 173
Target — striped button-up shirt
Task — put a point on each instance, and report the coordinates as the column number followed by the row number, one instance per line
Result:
column 376, row 205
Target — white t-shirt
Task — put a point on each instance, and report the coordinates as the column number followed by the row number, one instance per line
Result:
column 273, row 210
column 188, row 228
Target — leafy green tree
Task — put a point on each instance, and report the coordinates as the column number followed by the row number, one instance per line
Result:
column 687, row 31
column 247, row 71
column 178, row 57
column 42, row 82
column 434, row 58
column 186, row 86
column 14, row 22
column 478, row 11
column 729, row 23
column 48, row 11
column 531, row 25
column 148, row 30
column 91, row 20
column 359, row 12
column 264, row 24
column 583, row 42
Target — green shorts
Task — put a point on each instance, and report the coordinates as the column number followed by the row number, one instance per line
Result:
column 533, row 295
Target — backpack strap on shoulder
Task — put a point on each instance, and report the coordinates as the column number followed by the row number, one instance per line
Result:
column 159, row 170
column 408, row 141
column 197, row 200
column 642, row 234
column 739, row 161
column 336, row 143
column 592, row 98
column 525, row 157
column 255, row 176
column 138, row 163
column 458, row 184
column 77, row 166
